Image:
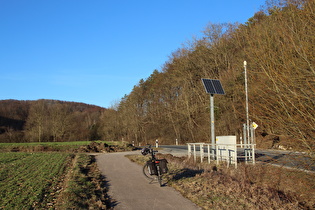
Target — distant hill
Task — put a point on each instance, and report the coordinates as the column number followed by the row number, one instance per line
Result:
column 18, row 116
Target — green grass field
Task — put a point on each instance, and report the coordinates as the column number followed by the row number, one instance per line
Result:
column 48, row 175
column 27, row 178
column 50, row 180
column 70, row 143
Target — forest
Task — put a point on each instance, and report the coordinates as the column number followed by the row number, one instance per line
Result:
column 48, row 120
column 278, row 45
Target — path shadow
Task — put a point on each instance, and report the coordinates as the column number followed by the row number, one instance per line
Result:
column 103, row 192
column 187, row 173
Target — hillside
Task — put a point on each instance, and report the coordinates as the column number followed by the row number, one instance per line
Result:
column 277, row 44
column 47, row 120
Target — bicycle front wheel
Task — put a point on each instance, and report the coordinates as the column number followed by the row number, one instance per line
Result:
column 146, row 172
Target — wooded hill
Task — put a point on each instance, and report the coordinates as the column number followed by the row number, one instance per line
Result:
column 48, row 120
column 278, row 45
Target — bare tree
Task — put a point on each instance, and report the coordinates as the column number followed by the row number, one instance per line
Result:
column 36, row 125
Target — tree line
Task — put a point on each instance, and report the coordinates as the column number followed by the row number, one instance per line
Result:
column 48, row 120
column 278, row 45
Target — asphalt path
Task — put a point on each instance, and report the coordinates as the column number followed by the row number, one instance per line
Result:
column 129, row 189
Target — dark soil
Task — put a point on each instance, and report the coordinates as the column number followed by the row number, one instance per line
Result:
column 93, row 147
column 103, row 147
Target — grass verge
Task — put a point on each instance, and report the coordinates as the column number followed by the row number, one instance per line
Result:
column 86, row 187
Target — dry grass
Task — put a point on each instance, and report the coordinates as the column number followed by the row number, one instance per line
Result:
column 85, row 187
column 247, row 187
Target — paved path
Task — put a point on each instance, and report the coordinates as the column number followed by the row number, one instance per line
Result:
column 131, row 190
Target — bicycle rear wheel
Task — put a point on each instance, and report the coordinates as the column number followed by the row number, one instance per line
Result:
column 146, row 172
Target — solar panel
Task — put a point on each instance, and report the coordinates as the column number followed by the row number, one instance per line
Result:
column 213, row 86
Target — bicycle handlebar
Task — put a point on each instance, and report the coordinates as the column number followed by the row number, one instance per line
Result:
column 149, row 150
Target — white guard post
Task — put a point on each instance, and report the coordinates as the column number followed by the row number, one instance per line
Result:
column 226, row 150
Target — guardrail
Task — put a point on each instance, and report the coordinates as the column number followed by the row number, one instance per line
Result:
column 230, row 153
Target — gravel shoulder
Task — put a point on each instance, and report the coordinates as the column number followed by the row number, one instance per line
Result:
column 129, row 189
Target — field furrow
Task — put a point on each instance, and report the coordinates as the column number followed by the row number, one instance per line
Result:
column 26, row 178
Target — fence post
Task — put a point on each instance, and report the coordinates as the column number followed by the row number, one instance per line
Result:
column 195, row 153
column 253, row 150
column 201, row 153
column 227, row 149
column 245, row 143
column 216, row 152
column 235, row 156
column 208, row 153
column 189, row 150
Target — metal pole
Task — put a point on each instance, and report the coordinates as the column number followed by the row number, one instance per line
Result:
column 244, row 135
column 212, row 123
column 245, row 141
column 246, row 93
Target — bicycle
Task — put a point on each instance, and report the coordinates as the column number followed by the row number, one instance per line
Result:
column 154, row 168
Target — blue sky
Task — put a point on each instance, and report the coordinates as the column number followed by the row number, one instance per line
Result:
column 95, row 51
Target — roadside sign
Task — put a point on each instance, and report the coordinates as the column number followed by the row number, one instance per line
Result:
column 254, row 125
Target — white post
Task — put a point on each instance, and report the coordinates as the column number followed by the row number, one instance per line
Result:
column 246, row 95
column 252, row 130
column 235, row 156
column 245, row 142
column 189, row 150
column 253, row 149
column 216, row 152
column 195, row 152
column 201, row 153
column 209, row 153
column 227, row 149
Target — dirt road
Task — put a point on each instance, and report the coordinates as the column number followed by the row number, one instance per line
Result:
column 129, row 189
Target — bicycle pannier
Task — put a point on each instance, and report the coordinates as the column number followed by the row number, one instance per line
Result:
column 163, row 166
column 152, row 168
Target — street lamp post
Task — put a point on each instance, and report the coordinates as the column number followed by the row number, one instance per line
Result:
column 246, row 95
